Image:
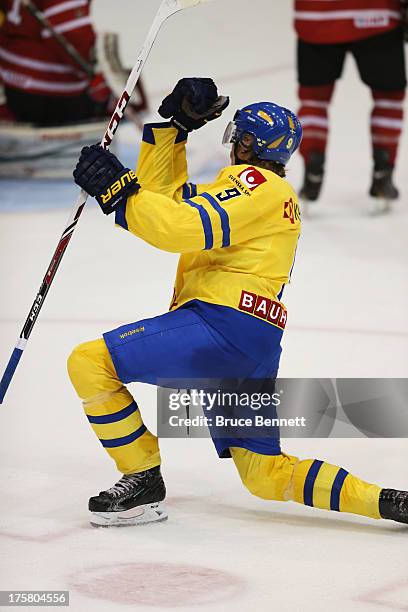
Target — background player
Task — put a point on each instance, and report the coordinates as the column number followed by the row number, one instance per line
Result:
column 373, row 32
column 43, row 84
column 237, row 237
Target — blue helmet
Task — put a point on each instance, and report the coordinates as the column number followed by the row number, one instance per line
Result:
column 276, row 130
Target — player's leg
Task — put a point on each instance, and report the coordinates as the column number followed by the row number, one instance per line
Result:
column 163, row 350
column 319, row 66
column 111, row 410
column 317, row 483
column 116, row 420
column 381, row 63
column 270, row 474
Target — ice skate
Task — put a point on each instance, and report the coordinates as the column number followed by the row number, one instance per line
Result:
column 382, row 190
column 394, row 505
column 133, row 500
column 313, row 180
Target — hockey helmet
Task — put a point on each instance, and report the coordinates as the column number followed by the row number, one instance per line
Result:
column 276, row 131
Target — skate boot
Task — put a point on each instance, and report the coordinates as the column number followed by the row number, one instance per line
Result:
column 314, row 173
column 133, row 500
column 382, row 187
column 394, row 505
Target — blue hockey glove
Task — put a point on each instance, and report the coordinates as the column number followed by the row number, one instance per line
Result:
column 102, row 175
column 192, row 103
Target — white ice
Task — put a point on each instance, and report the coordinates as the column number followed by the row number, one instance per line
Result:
column 221, row 549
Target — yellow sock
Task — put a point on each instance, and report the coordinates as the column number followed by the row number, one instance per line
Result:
column 310, row 482
column 111, row 409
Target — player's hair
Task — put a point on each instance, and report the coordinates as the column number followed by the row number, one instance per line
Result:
column 274, row 166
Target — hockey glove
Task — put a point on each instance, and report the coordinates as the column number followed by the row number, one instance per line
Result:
column 102, row 175
column 192, row 103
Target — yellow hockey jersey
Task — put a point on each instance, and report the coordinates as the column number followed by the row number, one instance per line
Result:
column 237, row 236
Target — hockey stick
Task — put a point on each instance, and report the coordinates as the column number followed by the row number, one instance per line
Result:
column 165, row 10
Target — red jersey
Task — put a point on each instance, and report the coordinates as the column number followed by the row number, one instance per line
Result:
column 32, row 60
column 340, row 21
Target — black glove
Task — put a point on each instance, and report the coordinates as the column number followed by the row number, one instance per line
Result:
column 101, row 174
column 192, row 103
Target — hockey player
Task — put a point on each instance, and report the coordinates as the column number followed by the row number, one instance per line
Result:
column 237, row 237
column 43, row 84
column 373, row 32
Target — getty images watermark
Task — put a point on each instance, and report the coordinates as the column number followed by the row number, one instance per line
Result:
column 289, row 408
column 225, row 409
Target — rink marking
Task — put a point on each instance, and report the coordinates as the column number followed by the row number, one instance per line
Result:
column 40, row 539
column 349, row 330
column 155, row 584
column 378, row 596
column 239, row 76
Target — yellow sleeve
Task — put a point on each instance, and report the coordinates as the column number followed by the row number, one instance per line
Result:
column 222, row 216
column 178, row 227
column 162, row 164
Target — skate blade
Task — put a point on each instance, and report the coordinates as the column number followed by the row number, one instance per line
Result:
column 309, row 209
column 379, row 206
column 141, row 515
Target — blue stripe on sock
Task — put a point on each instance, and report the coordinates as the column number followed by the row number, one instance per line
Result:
column 206, row 221
column 336, row 489
column 225, row 225
column 310, row 481
column 115, row 416
column 125, row 440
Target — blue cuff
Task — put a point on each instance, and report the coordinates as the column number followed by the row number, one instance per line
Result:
column 148, row 135
column 120, row 215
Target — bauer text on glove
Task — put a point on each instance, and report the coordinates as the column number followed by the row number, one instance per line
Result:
column 104, row 177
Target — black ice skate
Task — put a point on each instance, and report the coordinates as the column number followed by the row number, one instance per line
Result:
column 382, row 187
column 314, row 174
column 133, row 500
column 394, row 505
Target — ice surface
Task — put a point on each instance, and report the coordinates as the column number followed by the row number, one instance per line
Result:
column 221, row 549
